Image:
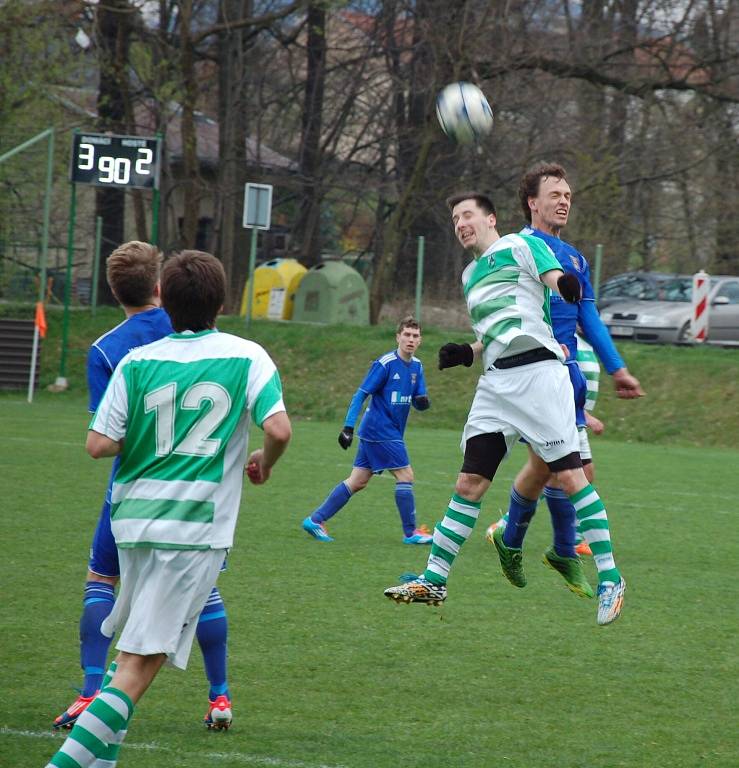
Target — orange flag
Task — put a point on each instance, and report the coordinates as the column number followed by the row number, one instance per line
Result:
column 40, row 319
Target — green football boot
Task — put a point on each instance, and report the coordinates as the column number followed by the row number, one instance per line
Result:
column 571, row 570
column 511, row 560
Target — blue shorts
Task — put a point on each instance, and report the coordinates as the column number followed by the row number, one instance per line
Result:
column 580, row 388
column 380, row 456
column 103, row 552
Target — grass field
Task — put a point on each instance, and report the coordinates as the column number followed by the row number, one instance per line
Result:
column 325, row 672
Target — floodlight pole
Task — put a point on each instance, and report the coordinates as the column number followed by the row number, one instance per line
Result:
column 250, row 278
column 419, row 276
column 61, row 382
column 96, row 264
column 598, row 261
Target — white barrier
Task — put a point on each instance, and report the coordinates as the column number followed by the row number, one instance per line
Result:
column 699, row 316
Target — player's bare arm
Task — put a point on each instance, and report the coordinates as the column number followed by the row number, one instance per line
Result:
column 101, row 446
column 277, row 434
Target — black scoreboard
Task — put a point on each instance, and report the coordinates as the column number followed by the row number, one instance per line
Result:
column 115, row 161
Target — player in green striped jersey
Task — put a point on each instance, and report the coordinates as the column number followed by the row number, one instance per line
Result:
column 524, row 390
column 178, row 412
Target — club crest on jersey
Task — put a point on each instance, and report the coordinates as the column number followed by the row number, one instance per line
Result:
column 413, row 378
column 575, row 263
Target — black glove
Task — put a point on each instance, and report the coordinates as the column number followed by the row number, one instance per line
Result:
column 421, row 403
column 455, row 354
column 569, row 288
column 346, row 436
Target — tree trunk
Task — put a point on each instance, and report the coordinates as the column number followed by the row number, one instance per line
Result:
column 308, row 228
column 398, row 227
column 113, row 27
column 190, row 170
column 231, row 240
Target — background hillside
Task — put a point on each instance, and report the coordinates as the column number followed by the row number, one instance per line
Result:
column 691, row 392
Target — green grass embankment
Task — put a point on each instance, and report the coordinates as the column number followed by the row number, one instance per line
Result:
column 691, row 392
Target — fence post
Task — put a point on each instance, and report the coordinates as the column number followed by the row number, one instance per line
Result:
column 419, row 276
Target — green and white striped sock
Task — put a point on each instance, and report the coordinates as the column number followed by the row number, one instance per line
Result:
column 592, row 522
column 101, row 726
column 449, row 535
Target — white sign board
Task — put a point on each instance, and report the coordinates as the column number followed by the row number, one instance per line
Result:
column 276, row 303
column 257, row 206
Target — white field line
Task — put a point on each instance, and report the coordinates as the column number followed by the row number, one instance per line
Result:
column 240, row 757
column 79, row 444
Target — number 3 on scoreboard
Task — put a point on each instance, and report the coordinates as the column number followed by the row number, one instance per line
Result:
column 198, row 441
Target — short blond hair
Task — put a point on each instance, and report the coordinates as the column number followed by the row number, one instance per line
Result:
column 132, row 271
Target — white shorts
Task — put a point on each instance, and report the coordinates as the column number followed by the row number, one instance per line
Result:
column 585, row 450
column 162, row 594
column 533, row 401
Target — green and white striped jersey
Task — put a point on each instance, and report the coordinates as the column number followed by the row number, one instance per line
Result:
column 507, row 302
column 183, row 405
column 590, row 367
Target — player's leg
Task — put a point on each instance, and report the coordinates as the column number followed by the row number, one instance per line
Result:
column 163, row 592
column 546, row 420
column 398, row 464
column 482, row 457
column 525, row 492
column 98, row 602
column 360, row 475
column 593, row 520
column 212, row 636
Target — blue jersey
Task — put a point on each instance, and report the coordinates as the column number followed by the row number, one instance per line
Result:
column 566, row 317
column 105, row 353
column 393, row 385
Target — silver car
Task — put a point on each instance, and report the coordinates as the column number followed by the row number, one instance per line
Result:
column 666, row 319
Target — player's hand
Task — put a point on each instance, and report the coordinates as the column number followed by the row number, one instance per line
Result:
column 346, row 436
column 255, row 469
column 595, row 425
column 627, row 386
column 569, row 288
column 455, row 354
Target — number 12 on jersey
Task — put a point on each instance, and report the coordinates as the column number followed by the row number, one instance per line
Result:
column 206, row 396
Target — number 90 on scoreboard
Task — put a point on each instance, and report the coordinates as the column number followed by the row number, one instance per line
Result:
column 115, row 161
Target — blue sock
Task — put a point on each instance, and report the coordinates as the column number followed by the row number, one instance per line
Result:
column 212, row 634
column 97, row 604
column 406, row 504
column 332, row 504
column 564, row 521
column 520, row 512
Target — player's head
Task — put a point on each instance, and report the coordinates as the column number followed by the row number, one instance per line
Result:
column 193, row 290
column 545, row 197
column 132, row 271
column 408, row 336
column 473, row 217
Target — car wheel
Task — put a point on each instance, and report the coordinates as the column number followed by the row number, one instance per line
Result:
column 685, row 334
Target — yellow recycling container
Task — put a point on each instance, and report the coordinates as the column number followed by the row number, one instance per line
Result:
column 275, row 284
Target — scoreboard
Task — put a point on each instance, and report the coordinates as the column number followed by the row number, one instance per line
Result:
column 115, row 161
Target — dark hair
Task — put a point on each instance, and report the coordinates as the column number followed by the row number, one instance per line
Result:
column 193, row 290
column 531, row 180
column 408, row 322
column 485, row 202
column 132, row 271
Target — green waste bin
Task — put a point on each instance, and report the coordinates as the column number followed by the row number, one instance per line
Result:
column 332, row 292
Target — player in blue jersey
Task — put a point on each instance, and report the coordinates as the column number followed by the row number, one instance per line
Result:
column 394, row 382
column 545, row 197
column 133, row 275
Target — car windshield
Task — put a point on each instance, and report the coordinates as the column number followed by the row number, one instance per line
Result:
column 678, row 289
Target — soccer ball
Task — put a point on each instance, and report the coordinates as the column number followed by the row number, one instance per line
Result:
column 463, row 112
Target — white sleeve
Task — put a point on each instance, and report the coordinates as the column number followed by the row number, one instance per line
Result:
column 111, row 417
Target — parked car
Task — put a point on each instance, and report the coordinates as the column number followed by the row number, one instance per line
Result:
column 666, row 318
column 631, row 285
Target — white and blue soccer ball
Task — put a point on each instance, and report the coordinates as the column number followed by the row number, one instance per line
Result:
column 463, row 112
